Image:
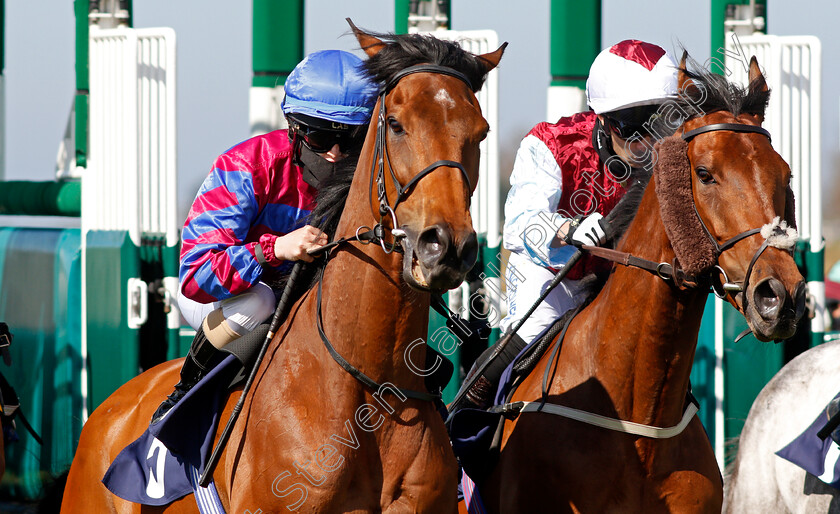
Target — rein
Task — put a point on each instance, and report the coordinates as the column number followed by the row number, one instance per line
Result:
column 354, row 371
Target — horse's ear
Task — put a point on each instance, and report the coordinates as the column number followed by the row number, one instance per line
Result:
column 757, row 82
column 682, row 76
column 371, row 45
column 491, row 59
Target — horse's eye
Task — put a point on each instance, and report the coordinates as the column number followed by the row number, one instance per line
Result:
column 704, row 176
column 396, row 128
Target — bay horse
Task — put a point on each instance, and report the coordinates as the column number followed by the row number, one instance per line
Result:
column 312, row 437
column 760, row 480
column 706, row 218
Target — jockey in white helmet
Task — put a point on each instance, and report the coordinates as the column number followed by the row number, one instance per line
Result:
column 568, row 175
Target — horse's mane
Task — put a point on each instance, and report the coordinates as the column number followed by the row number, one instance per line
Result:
column 622, row 215
column 712, row 92
column 329, row 203
column 404, row 50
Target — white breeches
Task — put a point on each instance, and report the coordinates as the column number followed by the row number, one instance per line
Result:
column 243, row 312
column 525, row 282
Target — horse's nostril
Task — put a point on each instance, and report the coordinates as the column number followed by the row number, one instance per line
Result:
column 469, row 252
column 431, row 245
column 768, row 297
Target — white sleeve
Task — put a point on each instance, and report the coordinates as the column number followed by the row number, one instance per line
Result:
column 531, row 218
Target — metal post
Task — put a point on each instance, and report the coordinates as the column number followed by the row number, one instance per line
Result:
column 81, row 8
column 741, row 16
column 277, row 49
column 401, row 10
column 575, row 42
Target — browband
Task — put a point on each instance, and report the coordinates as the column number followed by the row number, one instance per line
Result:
column 734, row 127
column 430, row 68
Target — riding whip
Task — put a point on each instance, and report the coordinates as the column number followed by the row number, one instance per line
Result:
column 829, row 427
column 504, row 342
column 279, row 314
column 500, row 346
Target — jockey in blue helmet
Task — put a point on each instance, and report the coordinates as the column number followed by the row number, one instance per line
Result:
column 248, row 221
column 327, row 117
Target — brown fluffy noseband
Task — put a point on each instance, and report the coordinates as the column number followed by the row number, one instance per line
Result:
column 672, row 179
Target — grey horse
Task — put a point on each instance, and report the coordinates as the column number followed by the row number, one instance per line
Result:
column 760, row 480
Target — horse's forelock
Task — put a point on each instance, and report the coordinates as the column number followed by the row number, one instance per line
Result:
column 404, row 50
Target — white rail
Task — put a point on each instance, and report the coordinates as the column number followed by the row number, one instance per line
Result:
column 130, row 183
column 792, row 67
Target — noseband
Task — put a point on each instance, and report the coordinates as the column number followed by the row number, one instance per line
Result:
column 380, row 152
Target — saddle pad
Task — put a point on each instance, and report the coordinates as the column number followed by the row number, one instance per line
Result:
column 153, row 470
column 146, row 472
column 818, row 457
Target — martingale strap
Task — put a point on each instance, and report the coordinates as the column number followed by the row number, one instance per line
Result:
column 617, row 425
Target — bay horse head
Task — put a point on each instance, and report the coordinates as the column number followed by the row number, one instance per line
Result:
column 737, row 220
column 422, row 150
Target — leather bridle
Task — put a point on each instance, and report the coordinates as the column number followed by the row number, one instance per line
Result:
column 668, row 271
column 726, row 286
column 380, row 154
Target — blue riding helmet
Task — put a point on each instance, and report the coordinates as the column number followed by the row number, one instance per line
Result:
column 330, row 85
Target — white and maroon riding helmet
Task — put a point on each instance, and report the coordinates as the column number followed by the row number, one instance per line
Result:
column 628, row 74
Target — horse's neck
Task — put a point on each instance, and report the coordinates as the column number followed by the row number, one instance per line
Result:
column 652, row 326
column 371, row 312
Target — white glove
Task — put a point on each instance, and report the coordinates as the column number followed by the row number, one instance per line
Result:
column 589, row 231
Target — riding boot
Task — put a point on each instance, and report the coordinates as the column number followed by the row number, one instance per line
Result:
column 480, row 394
column 199, row 362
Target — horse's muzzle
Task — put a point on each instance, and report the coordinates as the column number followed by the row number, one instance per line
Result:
column 437, row 261
column 772, row 313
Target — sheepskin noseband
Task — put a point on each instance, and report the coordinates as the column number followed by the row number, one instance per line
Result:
column 672, row 179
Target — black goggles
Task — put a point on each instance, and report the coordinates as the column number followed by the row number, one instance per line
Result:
column 322, row 141
column 628, row 122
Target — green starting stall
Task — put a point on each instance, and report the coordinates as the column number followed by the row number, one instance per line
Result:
column 91, row 306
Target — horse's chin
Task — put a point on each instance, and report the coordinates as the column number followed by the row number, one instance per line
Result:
column 765, row 332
